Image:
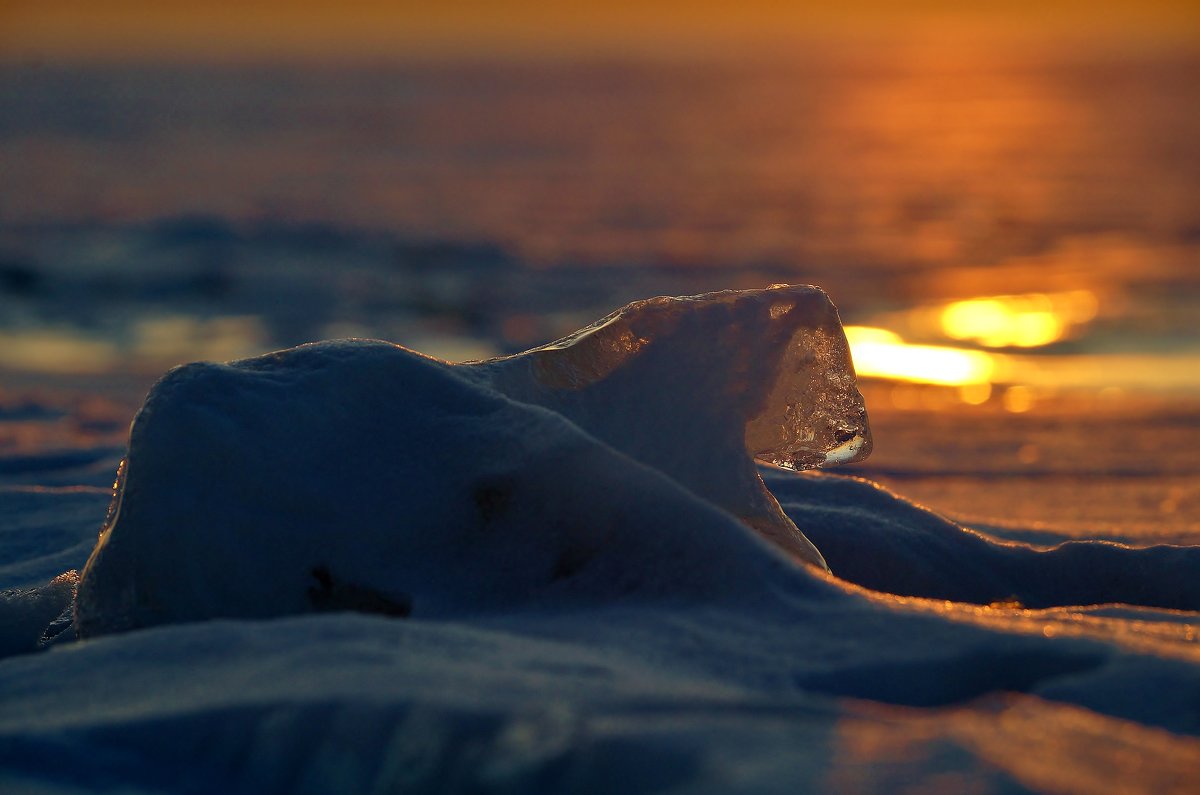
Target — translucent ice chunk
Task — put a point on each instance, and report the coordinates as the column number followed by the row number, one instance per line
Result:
column 774, row 361
column 700, row 385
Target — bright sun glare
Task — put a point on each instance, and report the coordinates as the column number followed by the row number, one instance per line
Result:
column 1018, row 321
column 1000, row 321
column 879, row 353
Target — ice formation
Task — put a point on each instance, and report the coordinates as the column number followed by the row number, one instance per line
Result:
column 361, row 475
column 697, row 386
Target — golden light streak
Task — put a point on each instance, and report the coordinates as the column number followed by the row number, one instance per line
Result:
column 879, row 353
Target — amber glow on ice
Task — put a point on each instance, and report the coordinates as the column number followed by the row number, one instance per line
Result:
column 879, row 353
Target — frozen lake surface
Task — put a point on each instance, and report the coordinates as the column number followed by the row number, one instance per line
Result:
column 152, row 216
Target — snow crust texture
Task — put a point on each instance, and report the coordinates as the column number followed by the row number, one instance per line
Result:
column 360, row 475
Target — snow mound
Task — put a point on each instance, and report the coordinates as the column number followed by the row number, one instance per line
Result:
column 883, row 542
column 360, row 475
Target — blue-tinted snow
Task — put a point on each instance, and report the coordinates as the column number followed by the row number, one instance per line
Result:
column 611, row 630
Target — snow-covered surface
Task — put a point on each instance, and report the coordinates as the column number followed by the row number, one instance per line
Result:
column 551, row 607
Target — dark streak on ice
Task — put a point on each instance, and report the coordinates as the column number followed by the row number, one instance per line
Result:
column 329, row 595
column 492, row 499
column 571, row 562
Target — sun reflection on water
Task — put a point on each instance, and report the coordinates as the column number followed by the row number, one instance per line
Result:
column 879, row 353
column 1018, row 321
column 926, row 376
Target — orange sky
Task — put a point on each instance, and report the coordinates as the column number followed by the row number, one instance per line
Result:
column 258, row 28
